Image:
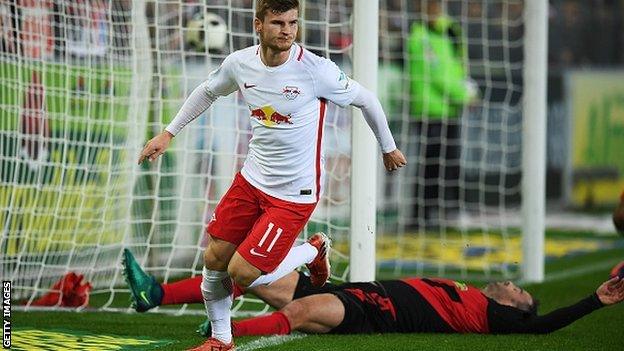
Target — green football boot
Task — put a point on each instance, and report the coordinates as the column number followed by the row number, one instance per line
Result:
column 205, row 329
column 145, row 292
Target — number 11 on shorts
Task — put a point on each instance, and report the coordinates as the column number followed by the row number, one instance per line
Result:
column 278, row 233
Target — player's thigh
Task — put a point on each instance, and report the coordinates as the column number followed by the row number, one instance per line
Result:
column 273, row 234
column 237, row 212
column 280, row 292
column 315, row 313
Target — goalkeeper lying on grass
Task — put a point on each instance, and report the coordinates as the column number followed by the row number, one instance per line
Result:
column 411, row 305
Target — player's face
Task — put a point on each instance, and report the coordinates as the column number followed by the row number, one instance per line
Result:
column 509, row 293
column 278, row 30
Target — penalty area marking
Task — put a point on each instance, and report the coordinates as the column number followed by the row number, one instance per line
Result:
column 267, row 341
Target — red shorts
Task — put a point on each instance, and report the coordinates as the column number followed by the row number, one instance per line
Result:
column 263, row 227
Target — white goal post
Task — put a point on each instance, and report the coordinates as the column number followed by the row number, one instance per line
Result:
column 364, row 149
column 534, row 130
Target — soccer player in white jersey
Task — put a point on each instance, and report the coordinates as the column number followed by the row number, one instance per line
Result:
column 253, row 228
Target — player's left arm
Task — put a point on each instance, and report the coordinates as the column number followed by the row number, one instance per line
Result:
column 334, row 85
column 504, row 320
column 374, row 115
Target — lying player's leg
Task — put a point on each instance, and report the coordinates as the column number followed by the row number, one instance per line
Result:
column 350, row 308
column 315, row 313
column 312, row 314
column 146, row 293
column 280, row 292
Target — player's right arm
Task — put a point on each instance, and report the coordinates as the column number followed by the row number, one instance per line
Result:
column 220, row 82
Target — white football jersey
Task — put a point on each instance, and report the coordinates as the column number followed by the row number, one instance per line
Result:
column 287, row 106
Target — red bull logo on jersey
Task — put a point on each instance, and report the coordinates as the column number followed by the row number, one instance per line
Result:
column 269, row 117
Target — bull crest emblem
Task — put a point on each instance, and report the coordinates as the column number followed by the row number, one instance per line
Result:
column 291, row 93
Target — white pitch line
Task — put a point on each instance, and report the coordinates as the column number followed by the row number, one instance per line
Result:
column 267, row 341
column 598, row 266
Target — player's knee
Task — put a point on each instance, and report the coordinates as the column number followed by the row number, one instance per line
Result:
column 241, row 278
column 215, row 259
column 242, row 273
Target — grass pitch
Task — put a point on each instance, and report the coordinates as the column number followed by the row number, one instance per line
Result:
column 568, row 280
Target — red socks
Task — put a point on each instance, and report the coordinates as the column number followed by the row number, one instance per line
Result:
column 187, row 291
column 183, row 291
column 275, row 323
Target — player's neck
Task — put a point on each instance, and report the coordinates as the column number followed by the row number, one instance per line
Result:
column 273, row 58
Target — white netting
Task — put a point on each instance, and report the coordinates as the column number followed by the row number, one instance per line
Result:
column 88, row 82
column 74, row 82
column 447, row 212
column 115, row 73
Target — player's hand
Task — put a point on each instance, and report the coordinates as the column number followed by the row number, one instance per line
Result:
column 155, row 147
column 394, row 160
column 611, row 291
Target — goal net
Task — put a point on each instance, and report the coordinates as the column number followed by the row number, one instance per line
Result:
column 83, row 84
column 74, row 103
column 454, row 211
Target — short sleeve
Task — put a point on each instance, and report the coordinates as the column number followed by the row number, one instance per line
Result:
column 221, row 81
column 334, row 85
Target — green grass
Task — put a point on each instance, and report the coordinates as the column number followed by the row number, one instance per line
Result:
column 602, row 330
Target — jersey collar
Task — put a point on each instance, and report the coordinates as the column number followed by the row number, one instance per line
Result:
column 293, row 50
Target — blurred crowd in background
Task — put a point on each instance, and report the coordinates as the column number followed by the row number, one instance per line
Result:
column 581, row 32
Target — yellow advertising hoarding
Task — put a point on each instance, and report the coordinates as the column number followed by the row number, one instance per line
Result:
column 596, row 169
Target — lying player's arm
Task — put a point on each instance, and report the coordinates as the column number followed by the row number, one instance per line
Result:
column 376, row 119
column 507, row 321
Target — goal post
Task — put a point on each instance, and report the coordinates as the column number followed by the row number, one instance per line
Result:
column 534, row 131
column 364, row 150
